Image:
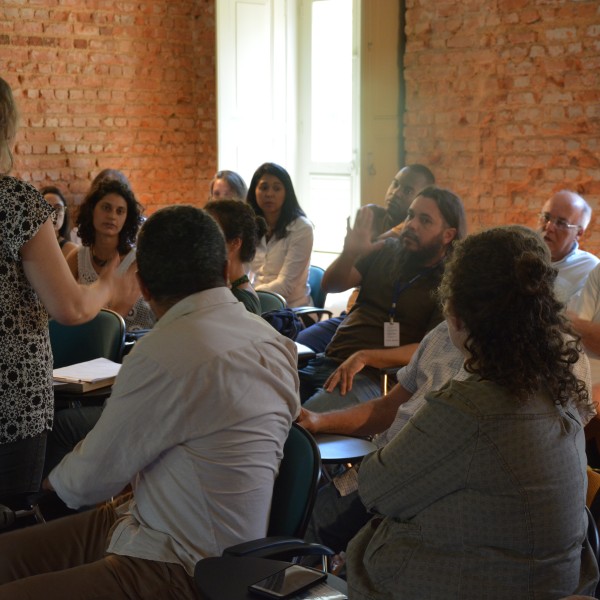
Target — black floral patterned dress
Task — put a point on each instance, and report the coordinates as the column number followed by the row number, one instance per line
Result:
column 26, row 398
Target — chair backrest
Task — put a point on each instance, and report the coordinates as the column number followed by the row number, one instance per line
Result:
column 270, row 301
column 296, row 484
column 315, row 276
column 592, row 534
column 102, row 337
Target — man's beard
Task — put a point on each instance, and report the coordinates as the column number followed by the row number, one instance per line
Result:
column 412, row 261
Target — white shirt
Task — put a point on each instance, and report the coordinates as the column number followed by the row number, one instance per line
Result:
column 587, row 307
column 196, row 423
column 435, row 361
column 573, row 271
column 282, row 265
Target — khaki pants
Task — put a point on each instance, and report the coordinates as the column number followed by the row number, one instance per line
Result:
column 65, row 559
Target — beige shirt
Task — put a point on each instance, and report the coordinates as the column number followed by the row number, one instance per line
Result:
column 196, row 423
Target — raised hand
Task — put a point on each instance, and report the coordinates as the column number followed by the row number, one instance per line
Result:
column 358, row 238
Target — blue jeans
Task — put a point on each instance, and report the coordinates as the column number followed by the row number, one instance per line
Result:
column 312, row 378
column 21, row 465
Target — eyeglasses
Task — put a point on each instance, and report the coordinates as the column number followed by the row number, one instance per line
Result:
column 558, row 222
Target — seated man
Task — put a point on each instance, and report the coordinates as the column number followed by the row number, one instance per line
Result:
column 563, row 220
column 405, row 186
column 396, row 305
column 387, row 222
column 339, row 512
column 196, row 425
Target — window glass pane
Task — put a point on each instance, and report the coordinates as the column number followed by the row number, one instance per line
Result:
column 331, row 81
column 332, row 195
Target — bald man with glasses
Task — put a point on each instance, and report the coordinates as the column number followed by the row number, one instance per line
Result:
column 563, row 220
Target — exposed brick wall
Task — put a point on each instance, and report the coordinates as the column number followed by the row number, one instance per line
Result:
column 503, row 101
column 114, row 83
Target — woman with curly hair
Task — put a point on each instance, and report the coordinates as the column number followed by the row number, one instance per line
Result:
column 242, row 230
column 283, row 254
column 108, row 223
column 482, row 493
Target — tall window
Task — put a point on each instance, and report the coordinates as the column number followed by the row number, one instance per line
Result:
column 288, row 73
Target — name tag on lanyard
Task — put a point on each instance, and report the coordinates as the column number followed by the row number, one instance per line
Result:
column 391, row 329
column 391, row 334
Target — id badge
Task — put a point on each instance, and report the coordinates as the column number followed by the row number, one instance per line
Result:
column 391, row 334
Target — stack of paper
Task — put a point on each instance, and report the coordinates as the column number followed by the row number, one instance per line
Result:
column 87, row 376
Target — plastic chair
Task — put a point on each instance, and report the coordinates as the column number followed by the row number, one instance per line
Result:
column 102, row 337
column 294, row 496
column 315, row 277
column 270, row 301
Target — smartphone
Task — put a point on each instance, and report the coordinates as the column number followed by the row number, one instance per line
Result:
column 287, row 582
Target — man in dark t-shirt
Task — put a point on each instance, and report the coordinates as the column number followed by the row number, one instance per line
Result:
column 396, row 305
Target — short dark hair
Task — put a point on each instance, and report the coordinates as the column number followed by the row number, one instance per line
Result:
column 85, row 218
column 291, row 209
column 66, row 226
column 181, row 251
column 424, row 171
column 451, row 207
column 238, row 220
column 500, row 284
column 234, row 181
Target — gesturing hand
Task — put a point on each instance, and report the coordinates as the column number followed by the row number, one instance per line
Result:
column 358, row 238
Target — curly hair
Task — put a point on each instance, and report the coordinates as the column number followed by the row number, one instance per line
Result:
column 500, row 284
column 238, row 220
column 85, row 219
column 290, row 210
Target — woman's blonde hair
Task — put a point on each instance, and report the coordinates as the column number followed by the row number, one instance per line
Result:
column 8, row 126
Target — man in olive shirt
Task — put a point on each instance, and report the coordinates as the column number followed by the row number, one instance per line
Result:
column 396, row 305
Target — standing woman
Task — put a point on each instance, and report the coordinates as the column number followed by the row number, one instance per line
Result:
column 34, row 281
column 482, row 493
column 283, row 254
column 62, row 223
column 242, row 229
column 108, row 222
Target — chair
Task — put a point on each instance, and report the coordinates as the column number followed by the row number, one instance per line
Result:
column 102, row 337
column 315, row 277
column 592, row 534
column 270, row 301
column 294, row 496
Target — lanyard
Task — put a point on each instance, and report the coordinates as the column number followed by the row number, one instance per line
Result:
column 402, row 287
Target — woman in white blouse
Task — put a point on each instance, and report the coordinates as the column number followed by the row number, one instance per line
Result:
column 283, row 254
